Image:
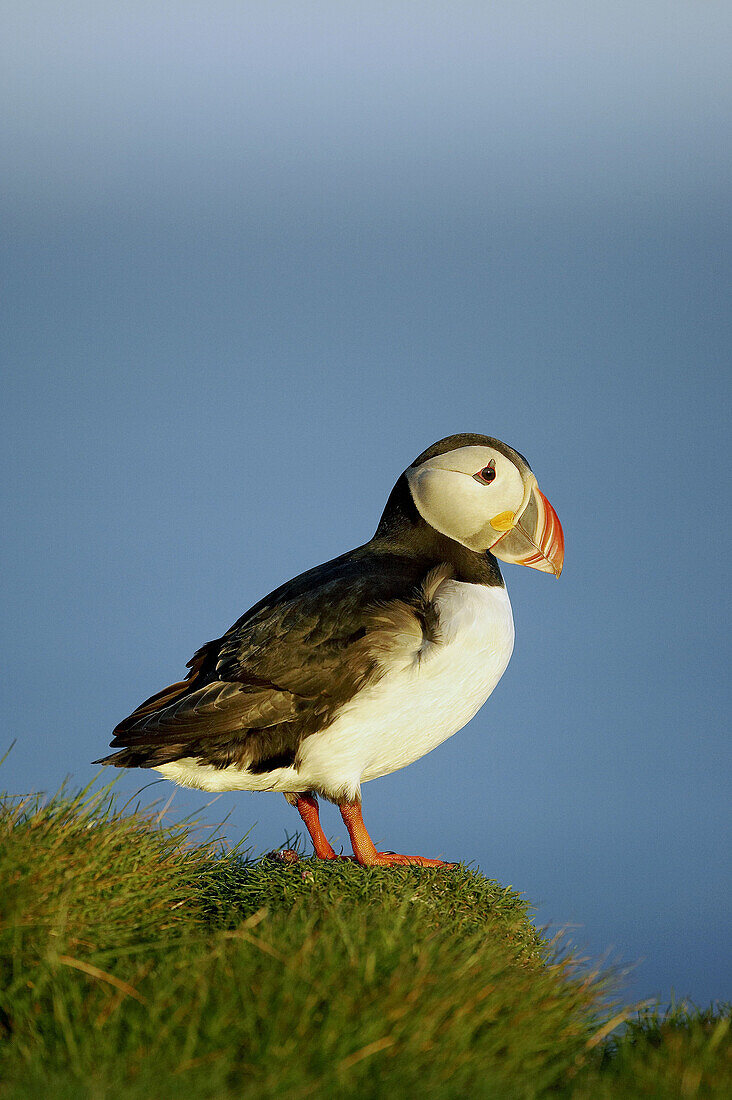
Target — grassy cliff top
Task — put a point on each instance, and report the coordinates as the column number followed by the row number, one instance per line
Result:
column 138, row 961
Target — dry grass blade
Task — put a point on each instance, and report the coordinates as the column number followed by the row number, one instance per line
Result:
column 102, row 975
column 365, row 1052
column 616, row 1021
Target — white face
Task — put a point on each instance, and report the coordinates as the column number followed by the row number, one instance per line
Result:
column 473, row 495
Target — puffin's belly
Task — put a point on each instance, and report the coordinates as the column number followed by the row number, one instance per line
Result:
column 414, row 709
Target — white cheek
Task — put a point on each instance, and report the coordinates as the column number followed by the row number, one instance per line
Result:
column 450, row 502
column 460, row 507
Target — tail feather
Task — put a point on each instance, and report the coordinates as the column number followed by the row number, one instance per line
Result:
column 153, row 753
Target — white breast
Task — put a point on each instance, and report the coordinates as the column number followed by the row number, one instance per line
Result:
column 410, row 711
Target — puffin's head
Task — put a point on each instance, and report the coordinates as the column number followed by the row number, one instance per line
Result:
column 482, row 493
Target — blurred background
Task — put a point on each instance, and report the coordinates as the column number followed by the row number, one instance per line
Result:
column 258, row 256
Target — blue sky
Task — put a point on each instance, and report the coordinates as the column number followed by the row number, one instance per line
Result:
column 257, row 257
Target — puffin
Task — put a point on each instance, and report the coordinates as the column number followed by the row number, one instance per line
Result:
column 360, row 666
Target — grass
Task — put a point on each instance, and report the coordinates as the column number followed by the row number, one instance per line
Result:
column 138, row 960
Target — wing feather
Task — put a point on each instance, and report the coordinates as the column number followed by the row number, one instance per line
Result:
column 284, row 670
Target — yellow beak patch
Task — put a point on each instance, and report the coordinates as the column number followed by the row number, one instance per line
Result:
column 504, row 521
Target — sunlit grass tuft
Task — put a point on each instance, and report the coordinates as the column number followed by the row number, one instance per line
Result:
column 138, row 960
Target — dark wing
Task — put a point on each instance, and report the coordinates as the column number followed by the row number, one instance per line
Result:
column 285, row 669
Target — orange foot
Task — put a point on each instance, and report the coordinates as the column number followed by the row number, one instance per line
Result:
column 393, row 859
column 365, row 850
column 307, row 807
column 363, row 846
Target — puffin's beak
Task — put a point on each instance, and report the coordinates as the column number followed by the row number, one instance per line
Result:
column 536, row 539
column 542, row 530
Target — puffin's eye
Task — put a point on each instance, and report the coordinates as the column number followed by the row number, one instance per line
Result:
column 487, row 474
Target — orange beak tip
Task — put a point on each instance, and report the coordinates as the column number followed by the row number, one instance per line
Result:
column 551, row 539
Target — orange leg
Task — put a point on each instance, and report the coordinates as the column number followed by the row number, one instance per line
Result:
column 307, row 807
column 363, row 845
